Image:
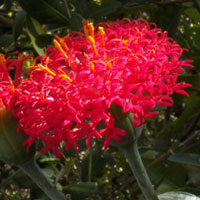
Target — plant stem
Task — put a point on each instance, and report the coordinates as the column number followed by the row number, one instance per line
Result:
column 34, row 172
column 135, row 162
column 90, row 165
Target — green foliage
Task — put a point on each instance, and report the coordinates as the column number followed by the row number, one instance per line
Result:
column 170, row 142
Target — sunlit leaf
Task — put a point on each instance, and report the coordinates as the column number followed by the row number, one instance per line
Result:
column 34, row 30
column 178, row 196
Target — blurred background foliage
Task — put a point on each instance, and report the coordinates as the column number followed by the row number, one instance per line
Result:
column 170, row 145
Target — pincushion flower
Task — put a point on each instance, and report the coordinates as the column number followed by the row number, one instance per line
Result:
column 129, row 63
column 7, row 84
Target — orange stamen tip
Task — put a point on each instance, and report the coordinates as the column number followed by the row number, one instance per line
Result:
column 64, row 45
column 2, row 58
column 12, row 88
column 91, row 28
column 85, row 28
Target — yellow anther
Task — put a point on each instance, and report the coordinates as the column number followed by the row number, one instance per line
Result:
column 66, row 77
column 59, row 47
column 109, row 65
column 92, row 66
column 91, row 28
column 44, row 68
column 92, row 42
column 125, row 42
column 12, row 88
column 101, row 33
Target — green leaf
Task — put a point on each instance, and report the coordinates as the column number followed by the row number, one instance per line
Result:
column 34, row 30
column 76, row 21
column 45, row 11
column 98, row 164
column 19, row 23
column 185, row 120
column 106, row 8
column 48, row 171
column 1, row 2
column 6, row 40
column 194, row 177
column 7, row 4
column 193, row 14
column 44, row 40
column 81, row 190
column 81, row 7
column 186, row 158
column 193, row 79
column 197, row 4
column 176, row 179
column 12, row 150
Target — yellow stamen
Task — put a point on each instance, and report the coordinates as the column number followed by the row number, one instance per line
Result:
column 64, row 45
column 101, row 33
column 132, row 54
column 92, row 42
column 58, row 46
column 44, row 68
column 125, row 42
column 3, row 60
column 109, row 63
column 12, row 88
column 65, row 76
column 92, row 66
column 91, row 28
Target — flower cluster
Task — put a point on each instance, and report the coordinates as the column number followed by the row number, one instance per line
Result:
column 70, row 89
column 7, row 83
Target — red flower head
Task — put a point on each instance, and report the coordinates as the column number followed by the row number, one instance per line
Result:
column 7, row 84
column 129, row 63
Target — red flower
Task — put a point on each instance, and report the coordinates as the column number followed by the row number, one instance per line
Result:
column 129, row 63
column 7, row 84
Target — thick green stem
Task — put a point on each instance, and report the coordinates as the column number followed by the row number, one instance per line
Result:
column 135, row 162
column 34, row 172
column 90, row 165
column 130, row 149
